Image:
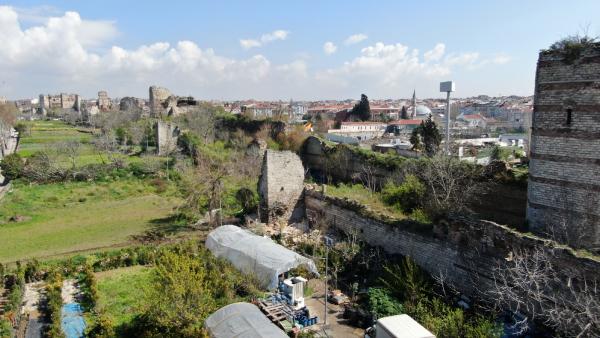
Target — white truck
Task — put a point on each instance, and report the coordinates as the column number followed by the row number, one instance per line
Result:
column 400, row 326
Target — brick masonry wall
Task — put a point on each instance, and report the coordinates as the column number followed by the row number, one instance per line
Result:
column 343, row 167
column 466, row 250
column 565, row 146
column 281, row 183
column 564, row 181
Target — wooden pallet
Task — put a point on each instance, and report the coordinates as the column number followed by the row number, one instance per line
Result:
column 275, row 312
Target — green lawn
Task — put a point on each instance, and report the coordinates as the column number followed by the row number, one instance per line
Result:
column 58, row 218
column 121, row 291
column 359, row 193
column 43, row 135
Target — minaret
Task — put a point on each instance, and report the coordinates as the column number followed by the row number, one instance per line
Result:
column 414, row 104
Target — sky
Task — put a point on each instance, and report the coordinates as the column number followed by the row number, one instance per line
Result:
column 271, row 50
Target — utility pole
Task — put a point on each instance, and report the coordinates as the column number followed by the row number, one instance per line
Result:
column 447, row 87
column 328, row 243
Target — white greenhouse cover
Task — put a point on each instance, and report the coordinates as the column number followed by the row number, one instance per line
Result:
column 241, row 320
column 255, row 255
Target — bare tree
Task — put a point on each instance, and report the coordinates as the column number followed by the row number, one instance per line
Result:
column 451, row 183
column 71, row 149
column 529, row 284
column 367, row 178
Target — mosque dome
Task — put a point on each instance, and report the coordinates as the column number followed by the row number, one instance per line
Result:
column 423, row 110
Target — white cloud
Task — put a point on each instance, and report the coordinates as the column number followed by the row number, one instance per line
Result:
column 250, row 43
column 264, row 39
column 356, row 38
column 329, row 48
column 275, row 35
column 66, row 53
column 501, row 59
column 436, row 53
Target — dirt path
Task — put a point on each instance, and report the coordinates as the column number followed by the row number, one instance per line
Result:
column 32, row 297
column 69, row 291
column 336, row 326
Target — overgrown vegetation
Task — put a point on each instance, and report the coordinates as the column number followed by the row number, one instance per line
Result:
column 172, row 298
column 54, row 305
column 572, row 46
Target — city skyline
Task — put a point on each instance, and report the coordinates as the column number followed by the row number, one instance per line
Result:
column 212, row 52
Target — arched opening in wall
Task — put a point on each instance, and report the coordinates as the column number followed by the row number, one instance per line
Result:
column 569, row 116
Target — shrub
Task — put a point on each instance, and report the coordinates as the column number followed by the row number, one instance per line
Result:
column 419, row 215
column 103, row 327
column 247, row 199
column 12, row 166
column 5, row 328
column 54, row 305
column 382, row 304
column 406, row 196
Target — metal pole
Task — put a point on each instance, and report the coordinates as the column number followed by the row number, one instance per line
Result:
column 326, row 263
column 447, row 123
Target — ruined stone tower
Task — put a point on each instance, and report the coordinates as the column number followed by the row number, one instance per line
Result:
column 158, row 96
column 563, row 199
column 280, row 186
column 167, row 134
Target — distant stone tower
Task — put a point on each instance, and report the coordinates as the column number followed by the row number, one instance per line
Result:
column 563, row 199
column 167, row 134
column 157, row 96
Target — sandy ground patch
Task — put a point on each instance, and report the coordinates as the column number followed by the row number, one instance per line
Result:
column 69, row 291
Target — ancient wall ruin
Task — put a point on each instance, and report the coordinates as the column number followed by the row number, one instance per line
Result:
column 280, row 186
column 467, row 252
column 167, row 134
column 158, row 96
column 104, row 102
column 564, row 172
column 502, row 202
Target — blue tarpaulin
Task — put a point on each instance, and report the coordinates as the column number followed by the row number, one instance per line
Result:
column 73, row 324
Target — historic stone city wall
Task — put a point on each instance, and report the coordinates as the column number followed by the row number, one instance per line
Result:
column 503, row 203
column 564, row 180
column 466, row 251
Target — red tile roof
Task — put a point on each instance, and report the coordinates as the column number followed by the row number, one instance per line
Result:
column 406, row 122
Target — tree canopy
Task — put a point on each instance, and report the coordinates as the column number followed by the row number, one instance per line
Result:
column 362, row 109
column 426, row 137
column 404, row 113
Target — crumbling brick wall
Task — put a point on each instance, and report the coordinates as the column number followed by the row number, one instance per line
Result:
column 564, row 174
column 280, row 186
column 468, row 252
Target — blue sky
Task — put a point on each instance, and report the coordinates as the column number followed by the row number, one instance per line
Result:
column 486, row 47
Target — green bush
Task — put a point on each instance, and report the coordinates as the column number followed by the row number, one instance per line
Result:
column 406, row 196
column 54, row 305
column 12, row 166
column 103, row 327
column 5, row 328
column 382, row 304
column 419, row 215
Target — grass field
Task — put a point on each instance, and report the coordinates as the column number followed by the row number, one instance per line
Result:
column 43, row 135
column 359, row 193
column 121, row 291
column 41, row 220
column 51, row 219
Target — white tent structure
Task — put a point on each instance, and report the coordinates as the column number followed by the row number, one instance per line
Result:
column 255, row 255
column 241, row 320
